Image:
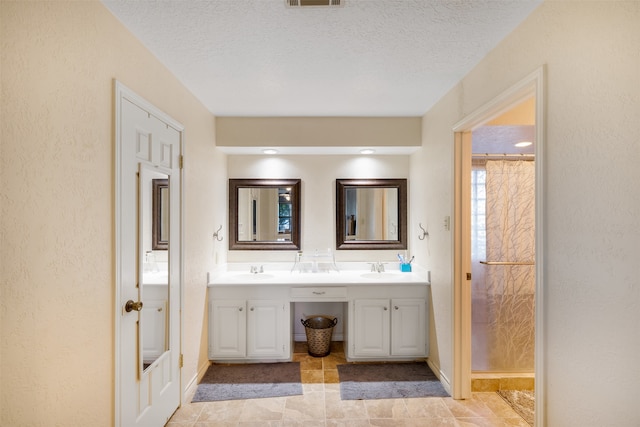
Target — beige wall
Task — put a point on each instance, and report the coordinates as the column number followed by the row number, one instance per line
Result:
column 318, row 202
column 523, row 114
column 591, row 210
column 59, row 60
column 318, row 131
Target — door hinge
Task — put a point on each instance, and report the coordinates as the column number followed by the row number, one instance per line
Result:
column 181, row 361
column 181, row 161
column 468, row 276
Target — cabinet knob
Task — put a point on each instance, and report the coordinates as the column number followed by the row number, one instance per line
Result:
column 251, row 308
column 240, row 309
column 386, row 308
column 395, row 307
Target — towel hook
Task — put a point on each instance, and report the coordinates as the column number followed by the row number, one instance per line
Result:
column 216, row 235
column 425, row 233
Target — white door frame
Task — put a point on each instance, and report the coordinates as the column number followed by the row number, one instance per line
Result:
column 532, row 85
column 122, row 92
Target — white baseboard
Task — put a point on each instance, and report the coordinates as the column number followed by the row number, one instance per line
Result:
column 441, row 376
column 192, row 385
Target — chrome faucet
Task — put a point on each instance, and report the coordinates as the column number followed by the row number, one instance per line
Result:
column 150, row 265
column 254, row 269
column 377, row 267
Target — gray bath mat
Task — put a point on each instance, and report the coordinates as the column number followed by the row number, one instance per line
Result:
column 249, row 381
column 388, row 381
column 522, row 401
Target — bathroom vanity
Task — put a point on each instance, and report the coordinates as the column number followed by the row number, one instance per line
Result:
column 251, row 314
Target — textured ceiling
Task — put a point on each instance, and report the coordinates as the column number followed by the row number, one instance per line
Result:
column 501, row 139
column 366, row 58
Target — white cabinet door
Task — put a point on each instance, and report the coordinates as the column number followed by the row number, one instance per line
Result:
column 371, row 327
column 408, row 334
column 267, row 330
column 227, row 329
column 155, row 329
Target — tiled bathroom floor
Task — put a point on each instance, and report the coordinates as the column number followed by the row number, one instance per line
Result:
column 321, row 406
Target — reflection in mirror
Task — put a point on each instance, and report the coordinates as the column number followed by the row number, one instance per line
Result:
column 377, row 210
column 264, row 214
column 371, row 213
column 153, row 264
column 267, row 212
column 160, row 232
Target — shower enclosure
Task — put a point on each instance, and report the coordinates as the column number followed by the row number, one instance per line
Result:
column 503, row 270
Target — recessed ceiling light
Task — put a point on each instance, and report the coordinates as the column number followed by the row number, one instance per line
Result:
column 367, row 151
column 523, row 144
column 270, row 151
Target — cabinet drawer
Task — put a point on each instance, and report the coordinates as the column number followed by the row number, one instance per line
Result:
column 319, row 293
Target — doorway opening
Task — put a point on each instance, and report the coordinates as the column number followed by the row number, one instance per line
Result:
column 503, row 251
column 498, row 278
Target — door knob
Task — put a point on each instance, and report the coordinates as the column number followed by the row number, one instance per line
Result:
column 131, row 306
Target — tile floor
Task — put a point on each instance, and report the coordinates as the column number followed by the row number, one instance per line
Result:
column 321, row 406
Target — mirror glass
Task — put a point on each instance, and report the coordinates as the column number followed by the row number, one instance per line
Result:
column 153, row 244
column 371, row 213
column 264, row 214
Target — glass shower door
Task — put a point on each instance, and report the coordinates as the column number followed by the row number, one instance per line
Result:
column 503, row 272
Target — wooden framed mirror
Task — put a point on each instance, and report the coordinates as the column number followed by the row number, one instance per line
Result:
column 160, row 214
column 371, row 213
column 264, row 214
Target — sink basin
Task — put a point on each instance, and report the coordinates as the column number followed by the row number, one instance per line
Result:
column 382, row 276
column 252, row 276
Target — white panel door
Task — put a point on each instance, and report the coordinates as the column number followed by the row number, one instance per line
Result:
column 371, row 327
column 147, row 142
column 408, row 327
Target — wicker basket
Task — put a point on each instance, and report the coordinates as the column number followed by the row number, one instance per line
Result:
column 319, row 330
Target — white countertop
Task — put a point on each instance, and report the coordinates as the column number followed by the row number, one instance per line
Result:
column 155, row 278
column 238, row 274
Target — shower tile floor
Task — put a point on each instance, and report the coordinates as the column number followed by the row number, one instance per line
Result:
column 320, row 405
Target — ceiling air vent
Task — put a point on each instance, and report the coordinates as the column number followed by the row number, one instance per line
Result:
column 308, row 3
